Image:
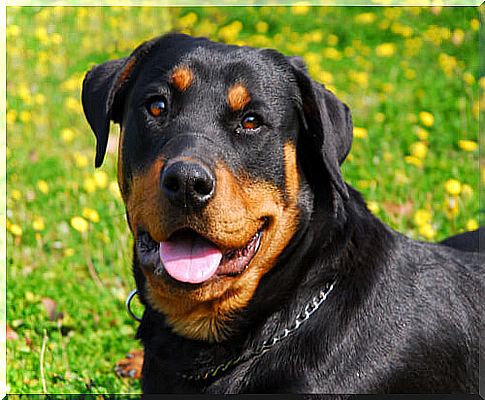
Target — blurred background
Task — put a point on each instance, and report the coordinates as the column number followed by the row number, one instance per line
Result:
column 410, row 76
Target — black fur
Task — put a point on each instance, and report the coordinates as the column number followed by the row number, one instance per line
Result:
column 403, row 317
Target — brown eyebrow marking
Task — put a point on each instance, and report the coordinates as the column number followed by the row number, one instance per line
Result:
column 182, row 77
column 238, row 97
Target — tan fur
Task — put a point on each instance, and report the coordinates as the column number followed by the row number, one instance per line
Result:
column 238, row 97
column 182, row 77
column 230, row 220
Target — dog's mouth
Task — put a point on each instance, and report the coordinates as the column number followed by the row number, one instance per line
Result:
column 188, row 257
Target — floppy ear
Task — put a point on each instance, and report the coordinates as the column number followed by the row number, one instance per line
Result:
column 102, row 94
column 328, row 121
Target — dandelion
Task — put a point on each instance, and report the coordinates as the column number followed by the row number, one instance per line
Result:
column 332, row 53
column 43, row 186
column 467, row 145
column 81, row 160
column 360, row 133
column 453, row 187
column 38, row 224
column 422, row 217
column 229, row 33
column 79, row 224
column 426, row 118
column 468, row 78
column 457, row 37
column 365, row 18
column 422, row 134
column 90, row 214
column 67, row 135
column 385, row 50
column 427, row 231
column 69, row 252
column 471, row 225
column 300, row 9
column 262, row 27
column 418, row 150
column 373, row 207
column 413, row 161
column 89, row 185
column 15, row 194
column 25, row 116
column 16, row 230
column 475, row 24
column 379, row 117
column 101, row 179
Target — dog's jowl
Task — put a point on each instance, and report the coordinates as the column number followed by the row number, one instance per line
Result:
column 260, row 269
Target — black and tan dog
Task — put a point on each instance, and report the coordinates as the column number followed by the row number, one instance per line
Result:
column 260, row 269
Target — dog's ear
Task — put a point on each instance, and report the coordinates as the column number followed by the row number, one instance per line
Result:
column 327, row 120
column 102, row 94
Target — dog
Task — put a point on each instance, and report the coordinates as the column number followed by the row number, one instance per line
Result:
column 260, row 269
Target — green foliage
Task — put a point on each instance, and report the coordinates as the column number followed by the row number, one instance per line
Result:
column 68, row 241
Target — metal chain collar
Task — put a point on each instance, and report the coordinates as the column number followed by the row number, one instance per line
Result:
column 309, row 309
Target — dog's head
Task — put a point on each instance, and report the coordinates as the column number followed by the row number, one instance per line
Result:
column 213, row 164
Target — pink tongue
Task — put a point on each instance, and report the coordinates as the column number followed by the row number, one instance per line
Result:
column 190, row 259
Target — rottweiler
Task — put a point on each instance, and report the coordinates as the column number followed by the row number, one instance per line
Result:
column 260, row 269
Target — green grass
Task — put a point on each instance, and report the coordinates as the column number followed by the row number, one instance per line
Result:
column 50, row 154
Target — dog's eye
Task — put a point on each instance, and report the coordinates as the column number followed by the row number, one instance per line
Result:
column 157, row 107
column 250, row 122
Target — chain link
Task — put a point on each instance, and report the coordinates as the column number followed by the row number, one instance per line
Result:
column 308, row 311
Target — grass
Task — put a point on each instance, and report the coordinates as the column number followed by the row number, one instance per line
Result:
column 410, row 75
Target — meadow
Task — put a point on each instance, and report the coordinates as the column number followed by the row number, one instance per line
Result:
column 411, row 77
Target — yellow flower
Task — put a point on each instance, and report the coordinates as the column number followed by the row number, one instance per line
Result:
column 385, row 49
column 422, row 217
column 418, row 150
column 471, row 224
column 90, row 214
column 188, row 20
column 373, row 207
column 41, row 34
column 475, row 24
column 69, row 252
column 67, row 135
column 468, row 78
column 360, row 133
column 422, row 133
column 410, row 74
column 365, row 18
column 229, row 33
column 332, row 53
column 81, row 160
column 16, row 194
column 38, row 224
column 89, row 185
column 101, row 179
column 16, row 230
column 467, row 145
column 300, row 9
column 427, row 231
column 25, row 116
column 426, row 118
column 11, row 117
column 413, row 161
column 262, row 27
column 43, row 186
column 453, row 187
column 79, row 224
column 39, row 99
column 72, row 104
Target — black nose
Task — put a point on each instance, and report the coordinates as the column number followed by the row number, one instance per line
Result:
column 187, row 184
